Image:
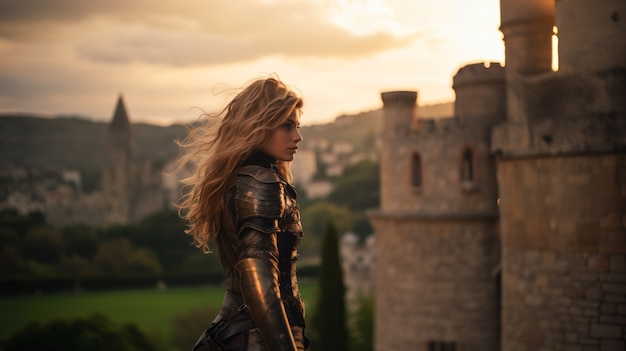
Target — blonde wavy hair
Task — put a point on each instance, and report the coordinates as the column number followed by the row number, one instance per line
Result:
column 218, row 148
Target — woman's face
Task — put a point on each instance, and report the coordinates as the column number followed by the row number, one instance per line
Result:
column 283, row 141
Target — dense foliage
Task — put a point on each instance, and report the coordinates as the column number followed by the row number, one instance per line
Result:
column 94, row 333
column 32, row 249
column 356, row 191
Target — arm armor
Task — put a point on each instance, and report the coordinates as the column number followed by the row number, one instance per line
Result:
column 259, row 202
column 259, row 287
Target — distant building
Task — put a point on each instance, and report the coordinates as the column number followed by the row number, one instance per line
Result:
column 342, row 147
column 357, row 261
column 318, row 188
column 304, row 167
column 131, row 189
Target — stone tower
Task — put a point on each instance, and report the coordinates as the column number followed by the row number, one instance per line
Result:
column 437, row 275
column 131, row 189
column 117, row 176
column 527, row 26
column 561, row 169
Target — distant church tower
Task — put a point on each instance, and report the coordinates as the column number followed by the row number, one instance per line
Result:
column 117, row 175
column 131, row 189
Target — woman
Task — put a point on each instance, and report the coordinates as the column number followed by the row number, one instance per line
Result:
column 240, row 198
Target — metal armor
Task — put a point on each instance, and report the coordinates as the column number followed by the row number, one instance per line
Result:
column 259, row 262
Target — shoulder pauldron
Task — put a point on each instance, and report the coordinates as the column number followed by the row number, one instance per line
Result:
column 259, row 197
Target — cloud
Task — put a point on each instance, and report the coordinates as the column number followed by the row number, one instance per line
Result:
column 181, row 33
column 139, row 43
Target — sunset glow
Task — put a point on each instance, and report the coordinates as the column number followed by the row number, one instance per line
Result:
column 170, row 56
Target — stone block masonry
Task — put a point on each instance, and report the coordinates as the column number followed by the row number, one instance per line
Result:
column 563, row 252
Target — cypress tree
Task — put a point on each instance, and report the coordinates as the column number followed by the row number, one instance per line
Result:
column 330, row 318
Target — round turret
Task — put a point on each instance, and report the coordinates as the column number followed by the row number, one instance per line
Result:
column 527, row 26
column 399, row 98
column 400, row 110
column 479, row 73
column 480, row 92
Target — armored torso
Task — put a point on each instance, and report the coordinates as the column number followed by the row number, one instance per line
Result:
column 264, row 202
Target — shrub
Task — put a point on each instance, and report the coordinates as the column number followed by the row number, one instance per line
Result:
column 96, row 333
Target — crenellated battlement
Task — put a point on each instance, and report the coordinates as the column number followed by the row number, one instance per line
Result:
column 558, row 119
column 436, row 125
column 479, row 73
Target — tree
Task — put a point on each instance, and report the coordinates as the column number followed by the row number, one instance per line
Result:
column 164, row 234
column 358, row 188
column 119, row 258
column 330, row 315
column 80, row 240
column 315, row 217
column 43, row 244
column 11, row 218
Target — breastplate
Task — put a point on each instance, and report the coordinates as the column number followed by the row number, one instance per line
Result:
column 288, row 239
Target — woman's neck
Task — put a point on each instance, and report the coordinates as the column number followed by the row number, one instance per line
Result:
column 259, row 158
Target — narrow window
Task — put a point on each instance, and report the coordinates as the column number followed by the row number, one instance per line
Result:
column 555, row 49
column 467, row 171
column 416, row 171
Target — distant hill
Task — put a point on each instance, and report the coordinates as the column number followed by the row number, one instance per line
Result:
column 78, row 143
column 362, row 129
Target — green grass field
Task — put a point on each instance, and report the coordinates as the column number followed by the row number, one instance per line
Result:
column 151, row 310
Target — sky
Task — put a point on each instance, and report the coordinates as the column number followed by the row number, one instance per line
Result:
column 171, row 59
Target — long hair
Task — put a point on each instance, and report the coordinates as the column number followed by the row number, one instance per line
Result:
column 218, row 149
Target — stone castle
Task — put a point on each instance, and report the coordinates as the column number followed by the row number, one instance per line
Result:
column 131, row 189
column 504, row 227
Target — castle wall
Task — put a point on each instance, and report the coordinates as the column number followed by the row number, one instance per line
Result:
column 562, row 184
column 563, row 256
column 443, row 189
column 437, row 247
column 440, row 145
column 435, row 281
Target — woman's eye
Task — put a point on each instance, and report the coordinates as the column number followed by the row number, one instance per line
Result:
column 287, row 126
